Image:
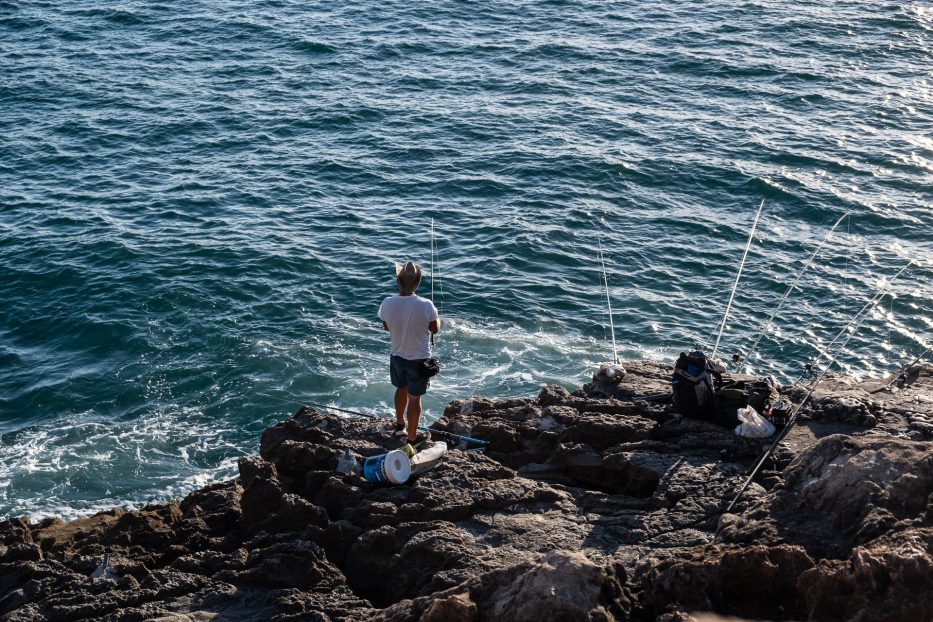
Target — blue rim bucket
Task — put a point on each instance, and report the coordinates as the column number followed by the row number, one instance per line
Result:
column 393, row 467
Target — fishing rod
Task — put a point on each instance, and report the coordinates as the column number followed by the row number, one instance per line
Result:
column 791, row 422
column 790, row 288
column 874, row 300
column 432, row 259
column 357, row 413
column 432, row 271
column 904, row 370
column 738, row 275
column 440, row 282
column 612, row 328
column 917, row 360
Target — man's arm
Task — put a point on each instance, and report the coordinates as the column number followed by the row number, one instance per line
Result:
column 385, row 326
column 433, row 326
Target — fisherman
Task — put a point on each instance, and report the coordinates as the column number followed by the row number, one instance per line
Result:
column 410, row 320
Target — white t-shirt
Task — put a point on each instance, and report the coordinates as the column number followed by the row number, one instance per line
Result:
column 408, row 318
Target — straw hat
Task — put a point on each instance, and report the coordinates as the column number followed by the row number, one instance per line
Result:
column 408, row 276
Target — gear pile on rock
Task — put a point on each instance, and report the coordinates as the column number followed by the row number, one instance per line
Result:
column 601, row 504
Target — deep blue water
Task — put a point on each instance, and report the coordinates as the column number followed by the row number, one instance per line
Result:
column 201, row 204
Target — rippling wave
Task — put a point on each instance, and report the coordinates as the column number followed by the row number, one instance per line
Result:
column 201, row 204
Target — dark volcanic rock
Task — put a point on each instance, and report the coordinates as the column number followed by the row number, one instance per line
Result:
column 561, row 585
column 600, row 504
column 889, row 580
column 758, row 582
column 843, row 492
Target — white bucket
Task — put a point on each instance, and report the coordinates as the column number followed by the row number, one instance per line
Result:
column 393, row 467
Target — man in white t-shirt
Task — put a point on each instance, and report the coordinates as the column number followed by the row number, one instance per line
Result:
column 410, row 320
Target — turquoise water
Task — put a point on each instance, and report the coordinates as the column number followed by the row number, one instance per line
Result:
column 201, row 204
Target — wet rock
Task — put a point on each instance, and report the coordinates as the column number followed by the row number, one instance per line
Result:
column 553, row 394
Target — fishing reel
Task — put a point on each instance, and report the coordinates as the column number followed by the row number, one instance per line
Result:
column 736, row 357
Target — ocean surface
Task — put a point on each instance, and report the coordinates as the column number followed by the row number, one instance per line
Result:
column 201, row 205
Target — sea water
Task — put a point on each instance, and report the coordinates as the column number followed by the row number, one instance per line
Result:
column 201, row 204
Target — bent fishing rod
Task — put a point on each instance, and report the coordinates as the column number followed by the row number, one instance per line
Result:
column 612, row 329
column 872, row 301
column 738, row 275
column 790, row 288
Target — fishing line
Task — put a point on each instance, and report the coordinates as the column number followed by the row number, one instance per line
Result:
column 738, row 275
column 615, row 353
column 874, row 300
column 790, row 288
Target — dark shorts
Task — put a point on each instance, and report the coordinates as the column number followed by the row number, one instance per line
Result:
column 406, row 374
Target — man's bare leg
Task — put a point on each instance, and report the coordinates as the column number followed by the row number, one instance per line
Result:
column 414, row 414
column 401, row 401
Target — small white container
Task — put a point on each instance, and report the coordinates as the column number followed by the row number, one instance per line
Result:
column 393, row 467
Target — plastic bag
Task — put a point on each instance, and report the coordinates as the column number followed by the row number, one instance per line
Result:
column 610, row 373
column 752, row 424
column 348, row 463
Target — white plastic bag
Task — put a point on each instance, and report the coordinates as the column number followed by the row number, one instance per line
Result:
column 752, row 424
column 610, row 372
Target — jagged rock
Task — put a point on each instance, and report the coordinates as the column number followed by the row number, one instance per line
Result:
column 260, row 500
column 643, row 380
column 600, row 504
column 559, row 586
column 755, row 582
column 601, row 431
column 842, row 492
column 216, row 507
column 890, row 580
column 552, row 394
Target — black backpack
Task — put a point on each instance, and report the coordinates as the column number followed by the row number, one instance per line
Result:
column 693, row 386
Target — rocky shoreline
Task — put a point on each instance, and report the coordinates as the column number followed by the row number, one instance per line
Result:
column 601, row 504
